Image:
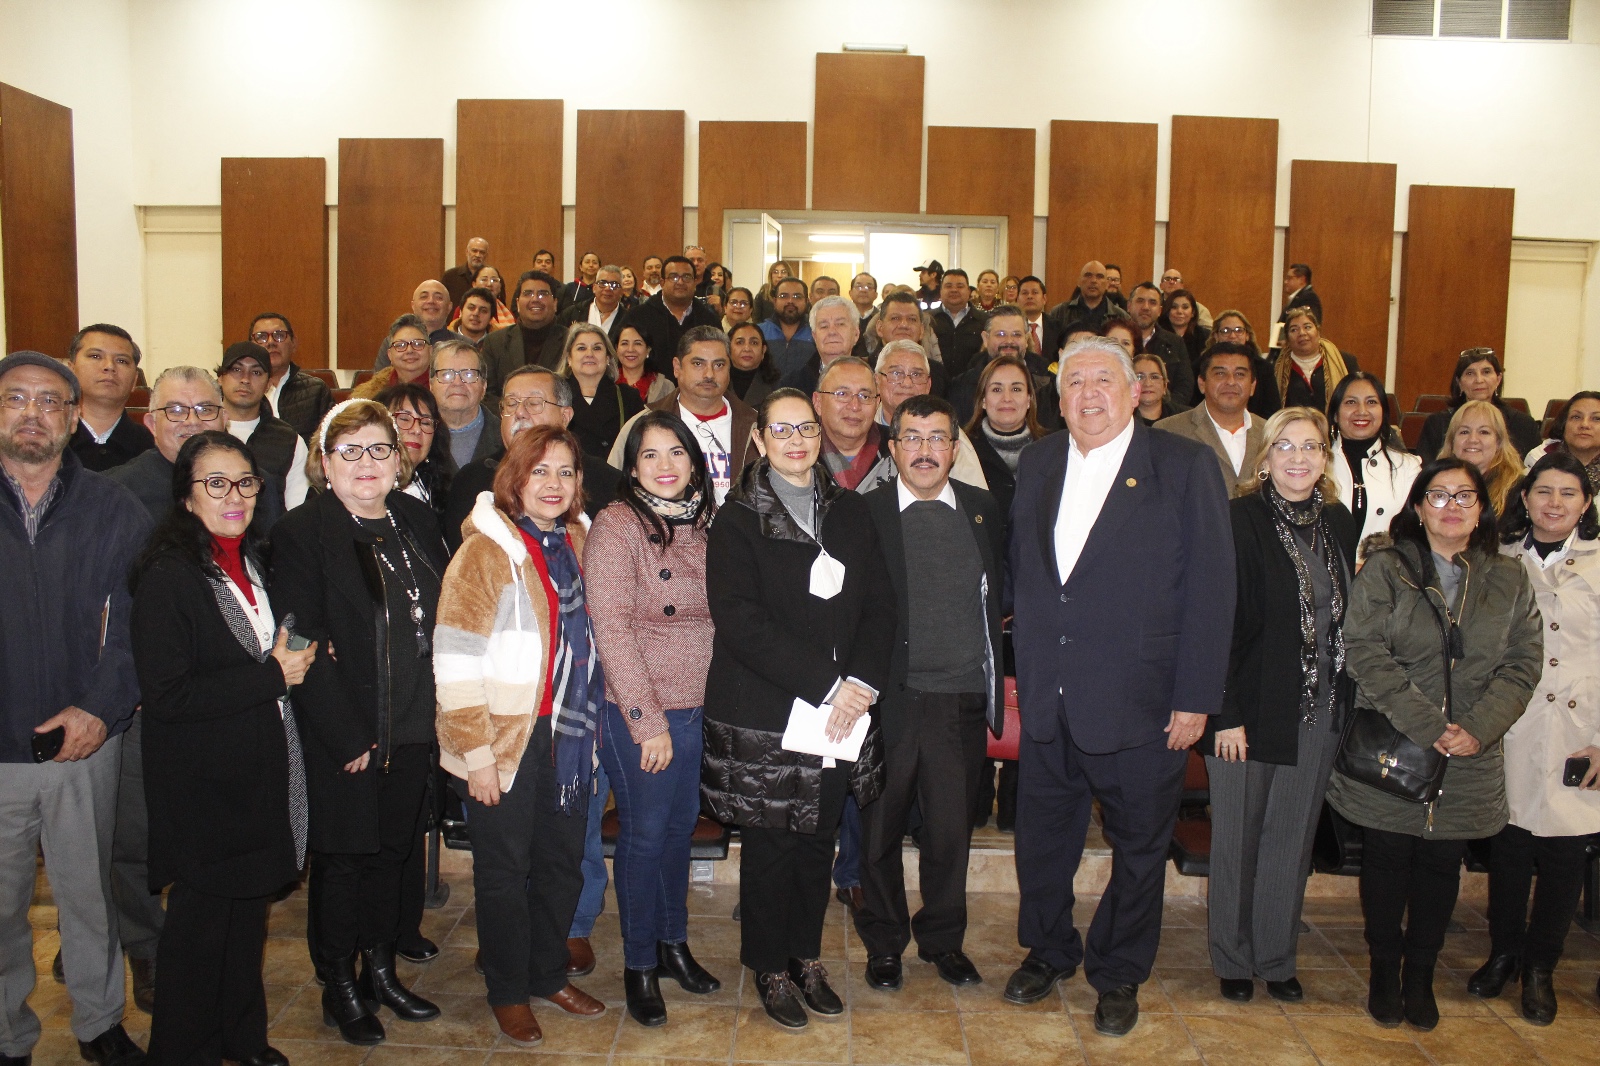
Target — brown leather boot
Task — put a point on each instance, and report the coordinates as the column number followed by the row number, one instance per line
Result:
column 576, row 1002
column 580, row 957
column 519, row 1024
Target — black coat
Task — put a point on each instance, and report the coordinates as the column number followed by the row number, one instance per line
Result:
column 775, row 641
column 1180, row 370
column 596, row 424
column 579, row 312
column 1264, row 681
column 661, row 329
column 326, row 571
column 959, row 345
column 984, row 518
column 1002, row 482
column 1525, row 432
column 1296, row 394
column 216, row 762
column 128, row 439
column 1304, row 297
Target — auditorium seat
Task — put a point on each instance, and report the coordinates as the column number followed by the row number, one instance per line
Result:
column 1428, row 403
column 1411, row 424
column 710, row 840
column 1190, row 850
column 139, row 397
column 1552, row 408
column 1517, row 403
column 328, row 377
column 1196, row 782
column 361, row 378
column 341, row 395
column 1394, row 410
column 135, row 414
column 1337, row 846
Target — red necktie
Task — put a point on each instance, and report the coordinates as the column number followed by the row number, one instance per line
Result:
column 1038, row 346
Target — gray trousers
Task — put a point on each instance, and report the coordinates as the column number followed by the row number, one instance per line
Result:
column 139, row 913
column 71, row 808
column 1263, row 823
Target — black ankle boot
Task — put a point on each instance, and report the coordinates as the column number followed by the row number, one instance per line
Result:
column 1538, row 995
column 1491, row 977
column 1383, row 992
column 677, row 963
column 643, row 991
column 1416, row 992
column 343, row 1007
column 380, row 984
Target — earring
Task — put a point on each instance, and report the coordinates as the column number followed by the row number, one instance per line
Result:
column 1262, row 475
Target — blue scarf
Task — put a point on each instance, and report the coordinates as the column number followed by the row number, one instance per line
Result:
column 577, row 681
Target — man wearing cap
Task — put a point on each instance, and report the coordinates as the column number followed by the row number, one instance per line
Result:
column 931, row 275
column 106, row 363
column 245, row 371
column 68, row 536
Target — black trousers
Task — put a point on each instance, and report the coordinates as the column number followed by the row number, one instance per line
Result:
column 1408, row 891
column 1006, row 816
column 210, row 1002
column 355, row 898
column 1138, row 789
column 784, row 882
column 526, row 878
column 1514, row 856
column 931, row 760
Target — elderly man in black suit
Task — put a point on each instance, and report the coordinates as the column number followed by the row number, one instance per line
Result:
column 1101, row 640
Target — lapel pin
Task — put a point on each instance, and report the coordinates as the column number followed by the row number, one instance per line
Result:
column 1132, row 481
column 978, row 519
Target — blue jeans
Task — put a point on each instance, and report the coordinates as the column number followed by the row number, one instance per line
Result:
column 658, row 814
column 593, row 900
column 847, row 867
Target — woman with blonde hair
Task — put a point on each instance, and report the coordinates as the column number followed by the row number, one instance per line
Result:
column 601, row 405
column 1309, row 366
column 1478, row 435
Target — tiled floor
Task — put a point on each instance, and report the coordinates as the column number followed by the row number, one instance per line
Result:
column 1183, row 1019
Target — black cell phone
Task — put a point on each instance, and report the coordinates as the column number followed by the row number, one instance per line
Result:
column 47, row 746
column 1576, row 771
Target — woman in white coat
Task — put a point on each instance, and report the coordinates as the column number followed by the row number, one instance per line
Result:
column 1551, row 527
column 1373, row 470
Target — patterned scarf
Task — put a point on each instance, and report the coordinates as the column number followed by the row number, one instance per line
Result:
column 671, row 510
column 578, row 684
column 245, row 633
column 1284, row 515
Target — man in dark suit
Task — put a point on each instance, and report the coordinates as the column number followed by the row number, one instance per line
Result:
column 1297, row 292
column 106, row 361
column 1101, row 641
column 1144, row 307
column 458, row 279
column 944, row 546
column 604, row 307
column 535, row 337
column 664, row 318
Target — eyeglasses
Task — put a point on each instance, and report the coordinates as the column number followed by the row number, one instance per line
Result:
column 1439, row 499
column 450, row 377
column 861, row 396
column 1009, row 334
column 218, row 487
column 609, row 286
column 48, row 404
column 784, row 430
column 538, row 294
column 279, row 335
column 1289, row 447
column 352, row 453
column 678, row 277
column 938, row 442
column 1150, row 375
column 179, row 412
column 418, row 345
column 534, row 405
column 1230, row 331
column 407, row 420
column 900, row 377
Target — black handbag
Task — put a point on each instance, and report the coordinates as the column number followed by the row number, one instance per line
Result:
column 1375, row 753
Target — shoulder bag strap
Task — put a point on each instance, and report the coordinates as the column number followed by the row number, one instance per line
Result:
column 1444, row 629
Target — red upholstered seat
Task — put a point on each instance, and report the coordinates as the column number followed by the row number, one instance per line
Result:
column 1005, row 747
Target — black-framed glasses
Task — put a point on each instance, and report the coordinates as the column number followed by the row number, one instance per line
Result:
column 179, row 412
column 785, row 430
column 913, row 442
column 450, row 377
column 218, row 487
column 352, row 453
column 407, row 420
column 420, row 344
column 263, row 336
column 1439, row 499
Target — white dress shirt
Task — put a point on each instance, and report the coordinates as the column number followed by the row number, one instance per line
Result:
column 947, row 496
column 1233, row 442
column 603, row 321
column 1088, row 483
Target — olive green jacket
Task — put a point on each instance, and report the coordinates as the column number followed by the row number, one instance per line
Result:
column 1393, row 652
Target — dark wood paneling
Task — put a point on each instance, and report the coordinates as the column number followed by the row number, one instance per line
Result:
column 630, row 185
column 974, row 170
column 38, row 223
column 866, row 150
column 1102, row 201
column 1341, row 225
column 391, row 234
column 1221, row 208
column 1455, row 278
column 275, row 249
column 757, row 165
column 508, row 180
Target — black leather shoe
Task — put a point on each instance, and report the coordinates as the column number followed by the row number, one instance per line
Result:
column 1416, row 993
column 271, row 1056
column 643, row 991
column 144, row 983
column 883, row 973
column 380, row 985
column 851, row 897
column 1238, row 989
column 811, row 978
column 1383, row 993
column 1033, row 980
column 111, row 1048
column 343, row 1007
column 954, row 967
column 1286, row 991
column 1538, row 996
column 675, row 961
column 420, row 949
column 1117, row 1012
column 781, row 1000
column 1490, row 978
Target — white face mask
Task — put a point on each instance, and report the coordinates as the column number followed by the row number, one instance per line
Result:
column 827, row 576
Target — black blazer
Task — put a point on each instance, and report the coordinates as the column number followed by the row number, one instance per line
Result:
column 579, row 312
column 1263, row 690
column 1180, row 368
column 988, row 530
column 959, row 345
column 661, row 329
column 597, row 424
column 1304, row 297
column 1107, row 648
column 1002, row 482
column 325, row 570
column 216, row 762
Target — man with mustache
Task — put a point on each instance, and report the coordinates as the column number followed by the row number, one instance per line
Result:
column 1223, row 422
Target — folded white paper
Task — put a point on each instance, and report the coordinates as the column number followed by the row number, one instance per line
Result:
column 827, row 577
column 807, row 732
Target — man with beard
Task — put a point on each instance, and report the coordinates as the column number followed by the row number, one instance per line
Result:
column 789, row 342
column 1144, row 306
column 1006, row 333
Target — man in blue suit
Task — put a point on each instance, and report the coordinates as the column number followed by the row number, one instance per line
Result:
column 1122, row 566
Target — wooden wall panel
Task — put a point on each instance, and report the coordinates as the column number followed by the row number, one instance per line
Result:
column 759, row 165
column 630, row 185
column 1221, row 212
column 508, row 181
column 1455, row 279
column 38, row 223
column 391, row 235
column 1102, row 201
column 275, row 249
column 867, row 138
column 1341, row 225
column 978, row 171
